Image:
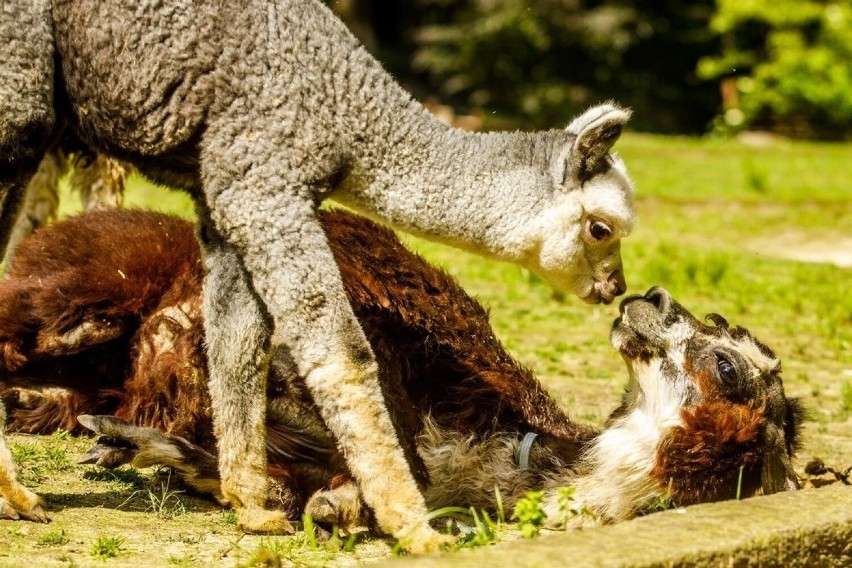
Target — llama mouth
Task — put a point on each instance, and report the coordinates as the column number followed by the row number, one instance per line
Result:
column 593, row 298
column 639, row 331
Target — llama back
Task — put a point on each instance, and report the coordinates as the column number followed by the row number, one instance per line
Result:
column 72, row 306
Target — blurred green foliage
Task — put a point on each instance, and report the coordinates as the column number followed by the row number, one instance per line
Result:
column 536, row 63
column 792, row 65
column 547, row 59
column 783, row 65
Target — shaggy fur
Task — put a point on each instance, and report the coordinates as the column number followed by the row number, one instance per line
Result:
column 261, row 110
column 459, row 402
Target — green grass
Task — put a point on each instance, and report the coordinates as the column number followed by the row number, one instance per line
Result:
column 42, row 459
column 717, row 221
column 106, row 547
column 53, row 538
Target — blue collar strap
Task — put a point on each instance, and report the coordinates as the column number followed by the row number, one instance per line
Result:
column 522, row 453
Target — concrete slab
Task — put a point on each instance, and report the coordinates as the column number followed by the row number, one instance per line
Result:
column 806, row 528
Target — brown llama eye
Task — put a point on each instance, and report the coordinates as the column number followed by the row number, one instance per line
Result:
column 599, row 230
column 727, row 370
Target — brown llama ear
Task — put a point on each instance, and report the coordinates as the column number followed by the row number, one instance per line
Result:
column 596, row 130
column 776, row 473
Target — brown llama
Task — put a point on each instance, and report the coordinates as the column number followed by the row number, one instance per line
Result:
column 705, row 404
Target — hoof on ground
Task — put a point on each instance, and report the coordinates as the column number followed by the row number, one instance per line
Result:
column 263, row 521
column 23, row 506
column 423, row 539
column 340, row 506
column 320, row 509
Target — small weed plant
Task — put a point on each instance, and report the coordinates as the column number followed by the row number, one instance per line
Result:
column 184, row 561
column 305, row 548
column 107, row 547
column 529, row 512
column 229, row 518
column 166, row 503
column 53, row 538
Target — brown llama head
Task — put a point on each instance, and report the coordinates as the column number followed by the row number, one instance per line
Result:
column 715, row 394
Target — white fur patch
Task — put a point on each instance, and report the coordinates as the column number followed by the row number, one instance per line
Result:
column 616, row 484
column 757, row 359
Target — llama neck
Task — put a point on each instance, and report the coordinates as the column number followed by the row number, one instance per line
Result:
column 480, row 192
column 614, row 481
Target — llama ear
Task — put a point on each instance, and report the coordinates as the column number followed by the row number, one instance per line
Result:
column 596, row 131
column 777, row 472
column 795, row 415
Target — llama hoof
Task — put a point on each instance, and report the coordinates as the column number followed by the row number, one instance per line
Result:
column 112, row 448
column 423, row 539
column 109, row 453
column 340, row 506
column 320, row 509
column 263, row 521
column 23, row 505
column 37, row 514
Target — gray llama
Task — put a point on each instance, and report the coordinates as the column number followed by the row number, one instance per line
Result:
column 261, row 110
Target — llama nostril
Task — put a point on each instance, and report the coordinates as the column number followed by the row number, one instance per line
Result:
column 617, row 283
column 660, row 298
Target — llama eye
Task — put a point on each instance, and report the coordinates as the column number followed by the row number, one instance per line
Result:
column 599, row 230
column 726, row 369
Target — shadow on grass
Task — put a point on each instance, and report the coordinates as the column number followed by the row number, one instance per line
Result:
column 119, row 501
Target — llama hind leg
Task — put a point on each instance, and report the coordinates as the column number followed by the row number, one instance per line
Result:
column 123, row 443
column 16, row 501
column 237, row 334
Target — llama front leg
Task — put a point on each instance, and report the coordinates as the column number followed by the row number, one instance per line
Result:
column 293, row 270
column 237, row 333
column 16, row 501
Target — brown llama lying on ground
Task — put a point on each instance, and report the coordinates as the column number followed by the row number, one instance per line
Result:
column 116, row 329
column 99, row 180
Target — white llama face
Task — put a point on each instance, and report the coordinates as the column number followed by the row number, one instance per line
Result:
column 579, row 233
